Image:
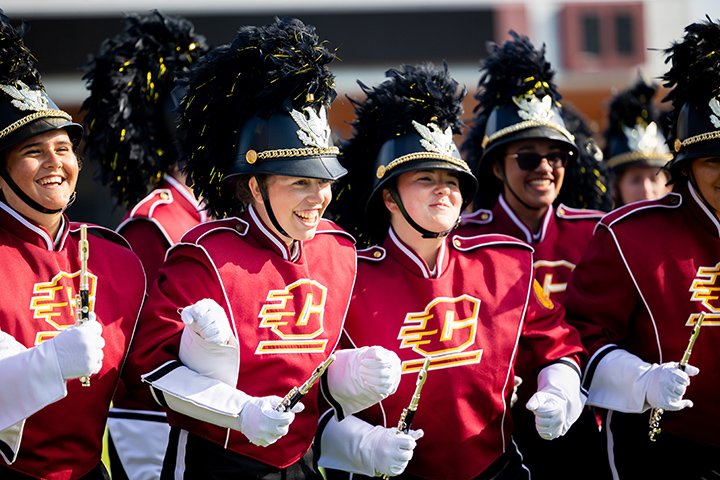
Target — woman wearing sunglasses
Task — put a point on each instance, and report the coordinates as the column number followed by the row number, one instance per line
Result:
column 520, row 147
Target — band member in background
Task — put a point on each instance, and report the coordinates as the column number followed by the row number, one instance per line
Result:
column 649, row 272
column 635, row 147
column 468, row 303
column 130, row 119
column 521, row 147
column 51, row 426
column 248, row 305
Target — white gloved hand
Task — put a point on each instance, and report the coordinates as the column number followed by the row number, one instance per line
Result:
column 208, row 320
column 558, row 401
column 9, row 346
column 667, row 384
column 79, row 349
column 392, row 450
column 549, row 410
column 379, row 370
column 262, row 424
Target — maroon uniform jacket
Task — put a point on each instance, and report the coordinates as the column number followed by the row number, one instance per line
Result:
column 470, row 315
column 287, row 316
column 158, row 222
column 649, row 271
column 559, row 245
column 64, row 440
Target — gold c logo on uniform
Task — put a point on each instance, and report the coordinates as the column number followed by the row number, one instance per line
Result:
column 53, row 302
column 706, row 290
column 295, row 314
column 443, row 331
column 547, row 271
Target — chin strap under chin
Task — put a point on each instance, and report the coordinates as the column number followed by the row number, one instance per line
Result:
column 29, row 201
column 507, row 185
column 269, row 210
column 693, row 182
column 423, row 231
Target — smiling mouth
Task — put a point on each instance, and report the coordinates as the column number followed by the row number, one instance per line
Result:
column 51, row 181
column 541, row 182
column 309, row 218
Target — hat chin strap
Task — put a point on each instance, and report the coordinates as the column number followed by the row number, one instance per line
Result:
column 423, row 231
column 692, row 180
column 29, row 201
column 269, row 210
column 507, row 184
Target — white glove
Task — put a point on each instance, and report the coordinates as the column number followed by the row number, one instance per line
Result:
column 262, row 424
column 379, row 370
column 79, row 349
column 392, row 450
column 9, row 346
column 208, row 320
column 517, row 381
column 558, row 401
column 667, row 384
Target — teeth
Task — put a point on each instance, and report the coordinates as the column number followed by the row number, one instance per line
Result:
column 308, row 217
column 540, row 182
column 48, row 180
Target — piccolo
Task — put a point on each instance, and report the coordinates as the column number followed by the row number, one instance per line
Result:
column 82, row 299
column 408, row 413
column 296, row 393
column 656, row 413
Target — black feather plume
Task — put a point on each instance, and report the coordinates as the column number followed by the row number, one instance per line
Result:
column 631, row 107
column 266, row 70
column 424, row 93
column 130, row 81
column 16, row 61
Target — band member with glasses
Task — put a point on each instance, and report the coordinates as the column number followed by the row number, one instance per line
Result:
column 59, row 363
column 520, row 148
column 247, row 306
column 466, row 303
column 651, row 269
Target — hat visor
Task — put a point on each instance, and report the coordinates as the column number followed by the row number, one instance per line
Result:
column 709, row 148
column 468, row 182
column 42, row 125
column 323, row 167
column 535, row 133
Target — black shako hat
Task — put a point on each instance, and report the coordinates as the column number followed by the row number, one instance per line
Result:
column 258, row 106
column 130, row 114
column 694, row 80
column 517, row 100
column 405, row 123
column 634, row 135
column 25, row 108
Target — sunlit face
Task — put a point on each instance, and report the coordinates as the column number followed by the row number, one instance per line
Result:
column 432, row 198
column 641, row 182
column 45, row 167
column 706, row 172
column 538, row 187
column 297, row 202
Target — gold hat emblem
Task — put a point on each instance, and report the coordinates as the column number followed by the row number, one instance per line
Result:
column 251, row 156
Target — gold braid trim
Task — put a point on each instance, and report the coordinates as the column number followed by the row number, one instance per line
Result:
column 703, row 137
column 627, row 157
column 524, row 126
column 383, row 169
column 31, row 118
column 297, row 152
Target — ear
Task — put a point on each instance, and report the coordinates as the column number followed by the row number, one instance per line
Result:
column 255, row 190
column 389, row 201
column 498, row 170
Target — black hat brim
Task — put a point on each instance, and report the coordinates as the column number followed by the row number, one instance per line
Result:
column 534, row 133
column 42, row 125
column 322, row 167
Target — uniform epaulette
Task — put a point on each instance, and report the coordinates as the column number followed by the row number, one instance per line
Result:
column 569, row 213
column 146, row 207
column 478, row 217
column 328, row 226
column 196, row 233
column 466, row 244
column 671, row 200
column 101, row 232
column 372, row 254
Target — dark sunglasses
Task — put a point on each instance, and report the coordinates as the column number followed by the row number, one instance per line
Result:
column 531, row 160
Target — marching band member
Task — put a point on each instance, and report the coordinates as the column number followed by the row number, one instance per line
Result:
column 51, row 425
column 131, row 122
column 521, row 148
column 468, row 303
column 635, row 147
column 246, row 306
column 649, row 272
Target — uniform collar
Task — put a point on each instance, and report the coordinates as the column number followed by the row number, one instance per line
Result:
column 28, row 232
column 525, row 233
column 184, row 196
column 267, row 238
column 407, row 257
column 700, row 211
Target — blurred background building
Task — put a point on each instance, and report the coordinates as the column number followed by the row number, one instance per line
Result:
column 595, row 46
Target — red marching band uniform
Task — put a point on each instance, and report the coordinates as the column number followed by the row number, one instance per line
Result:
column 471, row 326
column 298, row 307
column 64, row 440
